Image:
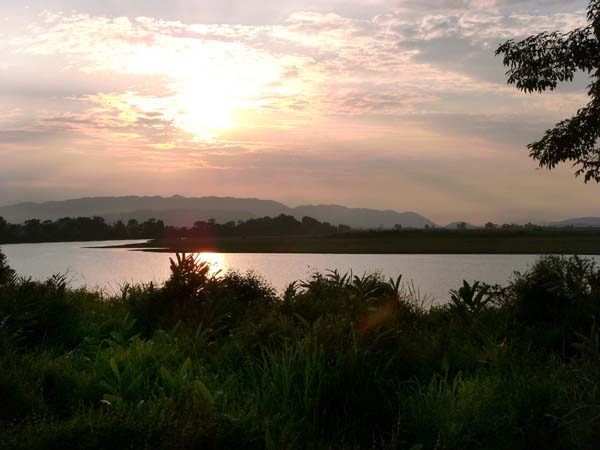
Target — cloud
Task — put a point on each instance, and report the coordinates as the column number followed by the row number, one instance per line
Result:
column 330, row 97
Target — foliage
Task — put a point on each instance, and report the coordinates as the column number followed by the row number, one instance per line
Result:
column 39, row 313
column 339, row 361
column 95, row 228
column 470, row 300
column 6, row 273
column 189, row 276
column 78, row 229
column 539, row 63
column 264, row 226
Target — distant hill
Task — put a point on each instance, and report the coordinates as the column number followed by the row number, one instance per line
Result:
column 579, row 222
column 181, row 211
column 362, row 218
column 129, row 206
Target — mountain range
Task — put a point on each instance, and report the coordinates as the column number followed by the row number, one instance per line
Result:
column 184, row 211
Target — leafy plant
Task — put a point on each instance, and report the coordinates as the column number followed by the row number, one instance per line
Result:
column 7, row 275
column 470, row 300
column 540, row 63
column 589, row 345
column 39, row 313
column 339, row 362
column 189, row 275
column 181, row 384
column 122, row 384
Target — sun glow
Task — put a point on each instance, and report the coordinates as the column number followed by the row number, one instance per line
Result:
column 206, row 104
column 203, row 87
column 204, row 112
column 217, row 262
column 212, row 84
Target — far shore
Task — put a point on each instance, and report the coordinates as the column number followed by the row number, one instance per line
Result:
column 557, row 242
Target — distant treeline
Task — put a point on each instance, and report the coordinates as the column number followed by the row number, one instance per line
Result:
column 96, row 229
column 265, row 226
column 78, row 229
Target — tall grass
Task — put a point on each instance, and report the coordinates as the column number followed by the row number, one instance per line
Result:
column 339, row 361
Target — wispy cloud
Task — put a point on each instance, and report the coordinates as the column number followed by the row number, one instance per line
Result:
column 407, row 83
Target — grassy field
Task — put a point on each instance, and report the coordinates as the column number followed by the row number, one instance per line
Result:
column 342, row 363
column 583, row 242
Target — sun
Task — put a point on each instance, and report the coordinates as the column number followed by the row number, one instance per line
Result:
column 202, row 87
column 217, row 261
column 204, row 108
column 216, row 87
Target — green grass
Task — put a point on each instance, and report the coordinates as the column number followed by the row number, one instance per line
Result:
column 337, row 362
column 395, row 242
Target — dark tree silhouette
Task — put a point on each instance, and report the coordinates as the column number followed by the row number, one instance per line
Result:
column 78, row 229
column 539, row 63
column 6, row 273
column 95, row 228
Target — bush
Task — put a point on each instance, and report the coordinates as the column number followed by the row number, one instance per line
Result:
column 484, row 410
column 40, row 313
column 339, row 361
column 555, row 299
column 192, row 296
column 6, row 273
column 143, row 426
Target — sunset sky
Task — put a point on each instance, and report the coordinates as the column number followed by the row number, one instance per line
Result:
column 397, row 104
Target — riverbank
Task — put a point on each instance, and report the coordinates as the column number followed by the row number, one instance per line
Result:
column 357, row 363
column 545, row 242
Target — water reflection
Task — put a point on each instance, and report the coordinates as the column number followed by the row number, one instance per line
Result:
column 217, row 261
column 108, row 269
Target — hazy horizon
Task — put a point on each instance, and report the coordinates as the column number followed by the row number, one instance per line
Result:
column 450, row 222
column 381, row 104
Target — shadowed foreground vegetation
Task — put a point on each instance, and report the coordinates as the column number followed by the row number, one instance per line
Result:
column 336, row 362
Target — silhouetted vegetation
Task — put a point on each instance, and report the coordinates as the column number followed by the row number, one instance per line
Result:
column 6, row 273
column 78, row 229
column 96, row 229
column 338, row 361
column 539, row 63
column 265, row 226
column 286, row 234
column 502, row 240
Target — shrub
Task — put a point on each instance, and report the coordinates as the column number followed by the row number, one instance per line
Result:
column 192, row 296
column 555, row 286
column 484, row 410
column 6, row 273
column 40, row 313
column 555, row 299
column 339, row 362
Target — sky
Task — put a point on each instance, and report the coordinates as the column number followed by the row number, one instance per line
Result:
column 386, row 104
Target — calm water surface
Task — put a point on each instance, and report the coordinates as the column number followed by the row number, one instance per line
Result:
column 433, row 275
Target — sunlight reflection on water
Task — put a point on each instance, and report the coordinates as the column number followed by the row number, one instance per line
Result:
column 108, row 269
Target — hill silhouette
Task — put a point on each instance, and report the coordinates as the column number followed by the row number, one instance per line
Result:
column 184, row 211
column 579, row 222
